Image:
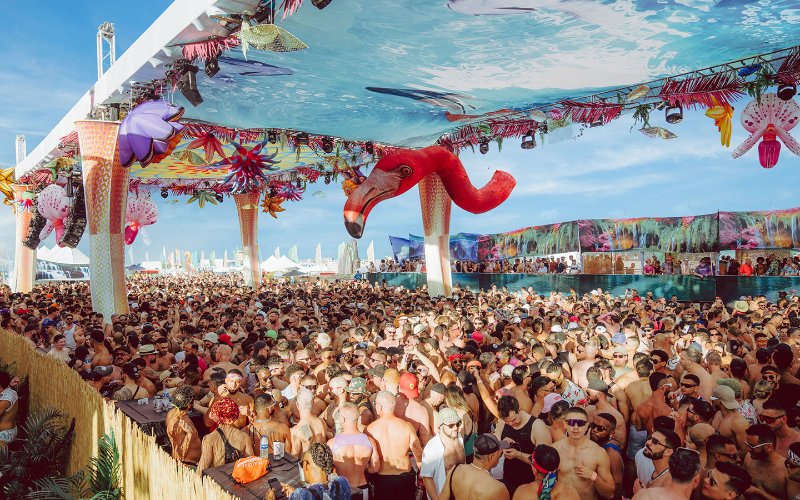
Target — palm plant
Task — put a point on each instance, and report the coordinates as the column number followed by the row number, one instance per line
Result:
column 99, row 481
column 43, row 453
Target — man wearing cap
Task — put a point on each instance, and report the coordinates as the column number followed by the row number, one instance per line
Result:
column 358, row 395
column 444, row 450
column 148, row 354
column 409, row 409
column 474, row 481
column 395, row 439
column 732, row 424
column 597, row 396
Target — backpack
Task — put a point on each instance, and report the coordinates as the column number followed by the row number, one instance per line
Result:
column 231, row 453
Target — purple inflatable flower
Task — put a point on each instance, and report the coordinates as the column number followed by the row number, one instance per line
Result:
column 149, row 133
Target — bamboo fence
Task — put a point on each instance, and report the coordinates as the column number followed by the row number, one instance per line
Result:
column 147, row 470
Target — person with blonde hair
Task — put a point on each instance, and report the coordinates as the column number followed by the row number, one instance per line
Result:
column 454, row 398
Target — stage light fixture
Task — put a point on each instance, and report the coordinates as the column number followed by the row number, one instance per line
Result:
column 219, row 197
column 674, row 114
column 164, row 192
column 528, row 140
column 484, row 147
column 786, row 91
column 273, row 137
column 299, row 183
column 327, row 144
column 212, row 66
column 321, row 4
column 369, row 148
column 302, row 139
column 187, row 84
column 327, row 178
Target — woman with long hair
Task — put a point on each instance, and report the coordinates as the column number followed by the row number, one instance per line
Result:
column 454, row 398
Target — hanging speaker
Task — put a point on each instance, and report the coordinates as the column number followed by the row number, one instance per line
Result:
column 75, row 222
column 187, row 84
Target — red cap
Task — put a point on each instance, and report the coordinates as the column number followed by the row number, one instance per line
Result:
column 477, row 337
column 636, row 298
column 226, row 339
column 409, row 385
column 573, row 319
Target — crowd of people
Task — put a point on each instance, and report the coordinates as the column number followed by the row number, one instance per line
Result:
column 489, row 394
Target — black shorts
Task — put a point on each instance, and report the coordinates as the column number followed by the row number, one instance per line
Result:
column 400, row 486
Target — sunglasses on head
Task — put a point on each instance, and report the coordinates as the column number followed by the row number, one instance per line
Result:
column 576, row 422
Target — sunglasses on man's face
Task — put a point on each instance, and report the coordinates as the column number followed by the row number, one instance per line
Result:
column 688, row 386
column 766, row 419
column 576, row 422
column 756, row 446
column 770, row 377
column 657, row 442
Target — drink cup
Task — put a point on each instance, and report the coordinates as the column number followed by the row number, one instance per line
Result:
column 278, row 449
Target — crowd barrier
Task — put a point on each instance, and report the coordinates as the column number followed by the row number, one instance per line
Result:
column 147, row 471
column 685, row 288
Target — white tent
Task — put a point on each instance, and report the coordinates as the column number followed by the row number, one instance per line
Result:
column 272, row 264
column 62, row 255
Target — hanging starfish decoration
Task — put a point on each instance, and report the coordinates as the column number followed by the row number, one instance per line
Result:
column 291, row 192
column 202, row 197
column 210, row 144
column 272, row 205
column 6, row 180
column 247, row 167
column 722, row 115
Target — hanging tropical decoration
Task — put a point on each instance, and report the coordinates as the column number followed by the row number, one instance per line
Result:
column 53, row 204
column 190, row 157
column 6, row 189
column 657, row 133
column 26, row 201
column 770, row 119
column 272, row 205
column 291, row 192
column 149, row 133
column 247, row 167
column 591, row 112
column 722, row 114
column 203, row 196
column 268, row 37
column 704, row 90
column 141, row 211
column 210, row 144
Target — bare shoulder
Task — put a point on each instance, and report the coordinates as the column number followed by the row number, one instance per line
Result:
column 564, row 491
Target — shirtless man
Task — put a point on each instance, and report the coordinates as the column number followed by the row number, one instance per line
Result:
column 597, row 397
column 412, row 411
column 443, row 451
column 101, row 356
column 690, row 360
column 521, row 378
column 545, row 469
column 655, row 405
column 264, row 423
column 729, row 422
column 309, row 429
column 395, row 438
column 354, row 452
column 318, row 405
column 164, row 358
column 223, row 355
column 182, row 433
column 474, row 482
column 765, row 465
column 601, row 432
column 231, row 389
column 8, row 408
column 579, row 369
column 684, row 469
column 774, row 416
column 584, row 465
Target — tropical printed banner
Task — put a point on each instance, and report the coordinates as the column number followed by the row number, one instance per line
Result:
column 464, row 247
column 752, row 230
column 530, row 242
column 693, row 234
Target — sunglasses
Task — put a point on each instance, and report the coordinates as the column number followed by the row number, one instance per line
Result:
column 311, row 387
column 598, row 427
column 769, row 377
column 730, row 456
column 576, row 422
column 756, row 446
column 766, row 419
column 453, row 426
column 657, row 442
column 688, row 386
column 711, row 480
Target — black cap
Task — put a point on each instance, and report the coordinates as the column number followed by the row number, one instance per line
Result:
column 486, row 444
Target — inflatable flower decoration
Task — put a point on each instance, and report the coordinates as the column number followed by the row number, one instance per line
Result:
column 247, row 167
column 769, row 120
column 142, row 211
column 149, row 133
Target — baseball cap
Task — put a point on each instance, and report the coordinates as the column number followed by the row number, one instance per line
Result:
column 725, row 396
column 272, row 334
column 211, row 337
column 409, row 385
column 438, row 388
column 358, row 385
column 598, row 385
column 226, row 339
column 103, row 371
column 619, row 338
column 448, row 416
column 477, row 337
column 506, row 371
column 486, row 444
column 378, row 371
column 550, row 400
column 556, row 329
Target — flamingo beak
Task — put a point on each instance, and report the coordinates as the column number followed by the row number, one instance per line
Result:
column 379, row 186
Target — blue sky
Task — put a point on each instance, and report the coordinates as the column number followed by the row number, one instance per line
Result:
column 607, row 172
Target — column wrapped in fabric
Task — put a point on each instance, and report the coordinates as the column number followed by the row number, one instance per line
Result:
column 247, row 209
column 436, row 205
column 105, row 183
column 24, row 257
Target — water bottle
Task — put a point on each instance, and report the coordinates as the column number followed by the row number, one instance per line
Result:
column 263, row 448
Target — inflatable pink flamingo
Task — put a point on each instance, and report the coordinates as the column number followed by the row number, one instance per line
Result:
column 772, row 119
column 442, row 179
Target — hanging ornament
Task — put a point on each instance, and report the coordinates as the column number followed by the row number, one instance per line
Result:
column 722, row 115
column 210, row 144
column 247, row 167
column 53, row 204
column 149, row 133
column 141, row 212
column 657, row 133
column 638, row 93
column 290, row 192
column 268, row 37
column 272, row 205
column 189, row 157
column 26, row 201
column 770, row 119
column 203, row 196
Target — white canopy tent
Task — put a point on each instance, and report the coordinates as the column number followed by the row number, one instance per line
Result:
column 62, row 255
column 280, row 264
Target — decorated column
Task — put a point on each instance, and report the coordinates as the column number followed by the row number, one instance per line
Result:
column 24, row 257
column 247, row 209
column 105, row 183
column 435, row 204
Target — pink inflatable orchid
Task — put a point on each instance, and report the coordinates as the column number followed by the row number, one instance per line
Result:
column 141, row 212
column 770, row 120
column 53, row 204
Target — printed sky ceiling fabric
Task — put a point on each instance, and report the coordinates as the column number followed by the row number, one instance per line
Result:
column 389, row 71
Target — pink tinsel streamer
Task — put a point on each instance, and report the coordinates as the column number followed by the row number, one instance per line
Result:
column 208, row 49
column 590, row 112
column 789, row 72
column 290, row 7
